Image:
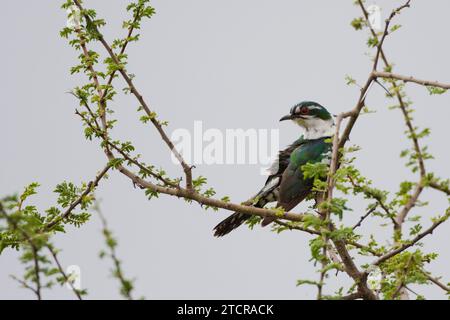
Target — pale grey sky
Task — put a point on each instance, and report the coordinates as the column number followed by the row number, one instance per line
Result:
column 232, row 64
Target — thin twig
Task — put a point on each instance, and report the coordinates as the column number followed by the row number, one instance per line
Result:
column 62, row 272
column 367, row 192
column 296, row 227
column 34, row 251
column 89, row 188
column 439, row 187
column 411, row 243
column 390, row 75
column 437, row 282
column 25, row 285
column 323, row 273
column 121, row 52
column 358, row 224
column 126, row 156
column 117, row 272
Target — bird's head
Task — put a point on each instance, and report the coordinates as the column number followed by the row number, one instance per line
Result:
column 313, row 117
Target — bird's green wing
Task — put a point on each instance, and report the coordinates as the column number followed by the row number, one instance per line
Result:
column 294, row 187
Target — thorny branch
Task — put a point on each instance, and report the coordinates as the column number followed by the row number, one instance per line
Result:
column 54, row 255
column 89, row 189
column 427, row 83
column 187, row 168
column 364, row 217
column 416, row 239
column 37, row 270
column 34, row 250
column 126, row 286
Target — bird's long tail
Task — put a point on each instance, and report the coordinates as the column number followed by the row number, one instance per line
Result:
column 230, row 223
column 266, row 221
column 237, row 219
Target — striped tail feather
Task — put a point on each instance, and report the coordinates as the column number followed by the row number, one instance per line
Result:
column 230, row 223
column 237, row 219
column 266, row 221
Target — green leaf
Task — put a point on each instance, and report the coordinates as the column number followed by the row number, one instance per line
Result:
column 436, row 90
column 358, row 23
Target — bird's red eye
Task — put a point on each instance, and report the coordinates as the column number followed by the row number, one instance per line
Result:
column 304, row 110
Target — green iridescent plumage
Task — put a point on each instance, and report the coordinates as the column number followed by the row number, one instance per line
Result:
column 294, row 186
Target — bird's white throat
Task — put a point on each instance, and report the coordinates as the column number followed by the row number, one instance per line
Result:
column 316, row 128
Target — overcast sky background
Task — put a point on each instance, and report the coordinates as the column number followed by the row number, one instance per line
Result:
column 232, row 64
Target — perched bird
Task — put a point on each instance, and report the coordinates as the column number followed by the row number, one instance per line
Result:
column 286, row 184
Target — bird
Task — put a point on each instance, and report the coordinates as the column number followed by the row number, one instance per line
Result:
column 286, row 183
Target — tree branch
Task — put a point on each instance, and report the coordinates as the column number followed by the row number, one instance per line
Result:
column 437, row 282
column 34, row 251
column 89, row 188
column 358, row 224
column 390, row 75
column 186, row 168
column 54, row 254
column 416, row 239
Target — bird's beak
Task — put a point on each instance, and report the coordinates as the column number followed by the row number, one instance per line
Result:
column 288, row 117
